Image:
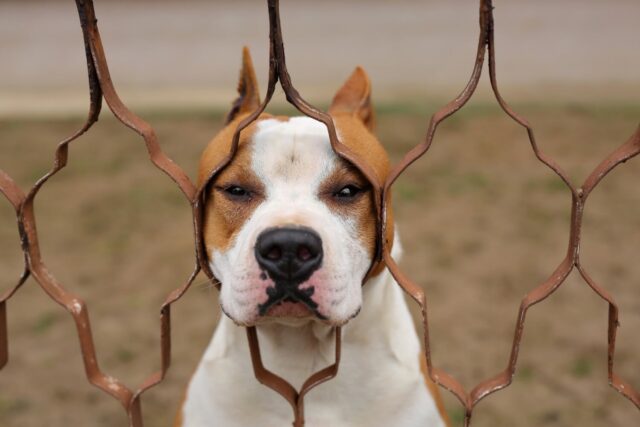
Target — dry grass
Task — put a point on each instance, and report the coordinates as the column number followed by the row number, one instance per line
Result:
column 482, row 223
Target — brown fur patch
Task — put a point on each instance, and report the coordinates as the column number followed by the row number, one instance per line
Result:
column 225, row 215
column 354, row 97
column 248, row 93
column 361, row 207
column 354, row 134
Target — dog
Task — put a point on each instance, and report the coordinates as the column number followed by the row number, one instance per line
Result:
column 290, row 233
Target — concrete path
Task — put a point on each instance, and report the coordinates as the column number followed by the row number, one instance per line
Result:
column 186, row 53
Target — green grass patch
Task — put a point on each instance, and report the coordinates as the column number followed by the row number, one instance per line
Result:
column 45, row 322
column 525, row 374
column 457, row 416
column 408, row 191
column 548, row 184
column 581, row 367
column 469, row 182
column 10, row 406
column 124, row 355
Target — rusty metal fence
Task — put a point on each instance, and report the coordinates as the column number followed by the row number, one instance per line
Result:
column 101, row 88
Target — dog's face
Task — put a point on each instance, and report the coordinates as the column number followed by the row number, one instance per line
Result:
column 290, row 227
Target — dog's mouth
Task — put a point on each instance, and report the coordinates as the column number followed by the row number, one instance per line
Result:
column 289, row 302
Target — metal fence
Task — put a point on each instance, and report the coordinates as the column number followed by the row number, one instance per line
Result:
column 101, row 88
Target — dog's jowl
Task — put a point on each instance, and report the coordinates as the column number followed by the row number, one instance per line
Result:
column 290, row 232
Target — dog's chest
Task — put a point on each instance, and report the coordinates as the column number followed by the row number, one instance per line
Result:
column 372, row 389
column 383, row 398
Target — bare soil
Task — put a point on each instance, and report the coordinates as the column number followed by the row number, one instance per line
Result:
column 482, row 223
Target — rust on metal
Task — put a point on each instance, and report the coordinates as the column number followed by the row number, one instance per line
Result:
column 15, row 197
column 101, row 87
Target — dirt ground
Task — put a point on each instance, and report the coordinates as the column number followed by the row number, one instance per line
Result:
column 482, row 222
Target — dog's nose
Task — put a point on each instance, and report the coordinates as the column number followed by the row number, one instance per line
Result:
column 289, row 254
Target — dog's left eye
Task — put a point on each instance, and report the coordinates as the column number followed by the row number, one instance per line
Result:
column 347, row 192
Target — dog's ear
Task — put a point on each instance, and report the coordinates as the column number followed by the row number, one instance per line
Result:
column 248, row 94
column 355, row 97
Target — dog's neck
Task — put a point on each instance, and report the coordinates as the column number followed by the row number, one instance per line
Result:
column 297, row 351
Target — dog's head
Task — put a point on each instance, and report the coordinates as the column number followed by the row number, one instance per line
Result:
column 290, row 227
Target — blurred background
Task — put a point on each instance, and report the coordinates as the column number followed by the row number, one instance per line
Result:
column 482, row 221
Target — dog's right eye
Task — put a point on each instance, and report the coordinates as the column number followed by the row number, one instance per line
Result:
column 236, row 191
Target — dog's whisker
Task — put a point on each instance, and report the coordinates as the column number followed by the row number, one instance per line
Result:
column 207, row 284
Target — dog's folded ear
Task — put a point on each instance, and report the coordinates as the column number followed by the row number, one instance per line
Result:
column 248, row 94
column 355, row 97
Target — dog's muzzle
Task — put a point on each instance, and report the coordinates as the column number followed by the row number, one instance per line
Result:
column 289, row 255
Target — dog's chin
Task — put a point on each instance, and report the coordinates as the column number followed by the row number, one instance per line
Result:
column 297, row 314
column 291, row 314
column 296, row 310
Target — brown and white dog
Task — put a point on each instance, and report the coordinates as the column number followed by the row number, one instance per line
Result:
column 290, row 233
